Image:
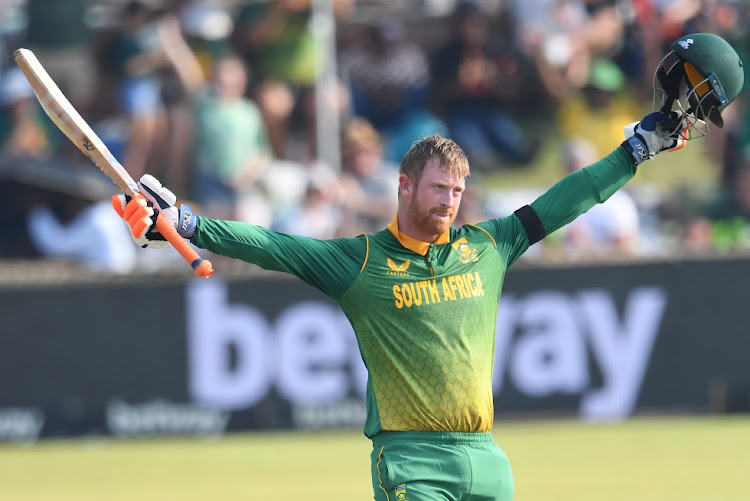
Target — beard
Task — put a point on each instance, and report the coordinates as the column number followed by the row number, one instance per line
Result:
column 424, row 218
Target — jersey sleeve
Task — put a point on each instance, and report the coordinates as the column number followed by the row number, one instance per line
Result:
column 328, row 265
column 579, row 191
column 566, row 200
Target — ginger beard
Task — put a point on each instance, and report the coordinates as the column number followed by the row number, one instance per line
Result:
column 433, row 206
column 430, row 220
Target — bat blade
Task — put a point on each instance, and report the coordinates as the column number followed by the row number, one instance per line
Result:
column 70, row 122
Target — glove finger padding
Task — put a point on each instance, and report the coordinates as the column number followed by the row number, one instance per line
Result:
column 118, row 204
column 142, row 210
column 140, row 217
column 160, row 197
column 137, row 212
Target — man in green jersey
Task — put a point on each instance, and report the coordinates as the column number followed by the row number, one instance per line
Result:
column 422, row 298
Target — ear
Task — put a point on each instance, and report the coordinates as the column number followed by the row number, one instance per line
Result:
column 405, row 185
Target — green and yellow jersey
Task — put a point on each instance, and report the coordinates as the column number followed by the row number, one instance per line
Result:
column 424, row 314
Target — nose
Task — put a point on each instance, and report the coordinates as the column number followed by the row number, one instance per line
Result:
column 451, row 199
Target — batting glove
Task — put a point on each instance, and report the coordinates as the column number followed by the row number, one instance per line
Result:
column 141, row 212
column 656, row 132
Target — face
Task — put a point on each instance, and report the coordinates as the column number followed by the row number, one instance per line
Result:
column 363, row 161
column 230, row 79
column 473, row 31
column 431, row 205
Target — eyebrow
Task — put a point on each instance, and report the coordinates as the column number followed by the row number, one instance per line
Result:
column 442, row 184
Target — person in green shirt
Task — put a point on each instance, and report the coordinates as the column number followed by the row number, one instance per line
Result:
column 422, row 298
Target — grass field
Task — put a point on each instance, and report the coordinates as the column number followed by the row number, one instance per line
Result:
column 659, row 459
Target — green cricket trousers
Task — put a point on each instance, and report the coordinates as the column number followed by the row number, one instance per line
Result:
column 435, row 466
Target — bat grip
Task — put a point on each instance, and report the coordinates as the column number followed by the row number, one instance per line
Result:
column 201, row 267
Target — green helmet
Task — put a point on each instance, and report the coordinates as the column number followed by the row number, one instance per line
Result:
column 703, row 74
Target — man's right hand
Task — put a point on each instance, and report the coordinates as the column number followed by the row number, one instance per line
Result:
column 141, row 211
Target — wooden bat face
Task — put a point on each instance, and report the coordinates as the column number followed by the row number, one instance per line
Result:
column 67, row 119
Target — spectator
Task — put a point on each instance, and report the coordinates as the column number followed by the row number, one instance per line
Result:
column 59, row 36
column 179, row 79
column 475, row 79
column 22, row 122
column 54, row 209
column 732, row 142
column 723, row 224
column 317, row 216
column 472, row 207
column 232, row 149
column 84, row 232
column 136, row 57
column 677, row 17
column 62, row 41
column 390, row 84
column 276, row 40
column 368, row 182
column 208, row 26
column 236, row 173
column 597, row 111
column 145, row 45
column 564, row 36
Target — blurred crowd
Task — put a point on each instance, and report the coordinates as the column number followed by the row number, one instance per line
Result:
column 226, row 102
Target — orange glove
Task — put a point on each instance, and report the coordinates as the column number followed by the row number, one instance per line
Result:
column 141, row 211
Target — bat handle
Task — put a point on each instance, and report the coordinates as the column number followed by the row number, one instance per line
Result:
column 201, row 267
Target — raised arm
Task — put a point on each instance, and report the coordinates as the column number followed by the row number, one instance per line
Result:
column 579, row 191
column 328, row 265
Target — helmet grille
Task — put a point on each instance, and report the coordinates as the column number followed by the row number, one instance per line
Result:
column 698, row 99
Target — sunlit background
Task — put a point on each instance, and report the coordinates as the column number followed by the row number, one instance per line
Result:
column 622, row 342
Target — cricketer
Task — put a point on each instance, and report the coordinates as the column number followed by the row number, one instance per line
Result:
column 422, row 296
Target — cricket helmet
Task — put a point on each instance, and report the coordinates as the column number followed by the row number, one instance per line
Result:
column 702, row 74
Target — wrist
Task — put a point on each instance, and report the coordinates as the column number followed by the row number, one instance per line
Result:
column 187, row 222
column 636, row 148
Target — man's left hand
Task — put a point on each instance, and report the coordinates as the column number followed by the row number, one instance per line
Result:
column 657, row 132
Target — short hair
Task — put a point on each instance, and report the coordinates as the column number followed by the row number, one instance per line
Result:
column 444, row 150
column 360, row 133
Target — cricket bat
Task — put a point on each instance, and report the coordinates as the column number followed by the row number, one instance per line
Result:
column 67, row 119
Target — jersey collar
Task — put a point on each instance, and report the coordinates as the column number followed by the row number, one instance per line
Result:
column 413, row 244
